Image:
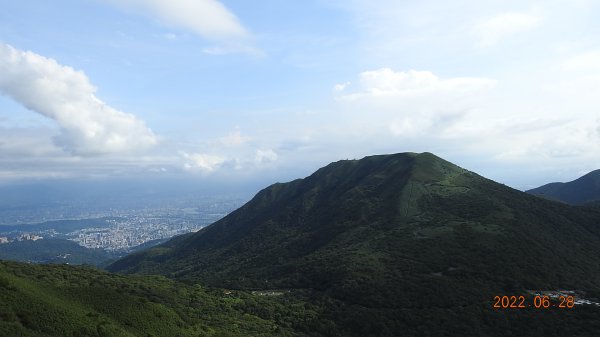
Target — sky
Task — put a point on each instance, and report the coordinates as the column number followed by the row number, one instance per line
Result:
column 235, row 91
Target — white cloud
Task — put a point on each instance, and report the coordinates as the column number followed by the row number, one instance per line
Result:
column 341, row 86
column 88, row 125
column 414, row 102
column 265, row 156
column 203, row 162
column 234, row 139
column 28, row 153
column 491, row 31
column 207, row 18
column 387, row 82
column 542, row 123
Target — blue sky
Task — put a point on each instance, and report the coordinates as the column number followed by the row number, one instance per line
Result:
column 271, row 90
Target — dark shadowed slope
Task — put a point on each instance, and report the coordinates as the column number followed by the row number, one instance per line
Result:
column 577, row 192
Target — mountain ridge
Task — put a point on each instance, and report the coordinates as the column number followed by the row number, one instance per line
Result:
column 583, row 190
column 357, row 217
column 305, row 192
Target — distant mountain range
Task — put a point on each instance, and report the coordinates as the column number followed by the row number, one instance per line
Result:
column 390, row 237
column 581, row 191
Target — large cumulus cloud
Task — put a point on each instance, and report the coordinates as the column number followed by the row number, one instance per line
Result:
column 88, row 125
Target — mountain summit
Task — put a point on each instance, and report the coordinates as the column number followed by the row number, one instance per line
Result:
column 303, row 233
column 379, row 241
column 583, row 190
column 360, row 228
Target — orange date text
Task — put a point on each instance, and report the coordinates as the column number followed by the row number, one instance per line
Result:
column 536, row 302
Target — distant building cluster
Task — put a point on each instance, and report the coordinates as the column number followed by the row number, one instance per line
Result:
column 22, row 237
column 124, row 229
column 122, row 235
column 29, row 237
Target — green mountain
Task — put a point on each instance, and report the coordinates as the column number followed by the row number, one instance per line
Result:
column 404, row 242
column 53, row 251
column 580, row 191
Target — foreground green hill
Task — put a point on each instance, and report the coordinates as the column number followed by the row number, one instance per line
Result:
column 583, row 190
column 61, row 301
column 397, row 243
column 43, row 301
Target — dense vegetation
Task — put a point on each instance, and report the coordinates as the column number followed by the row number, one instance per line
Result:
column 65, row 301
column 395, row 243
column 583, row 190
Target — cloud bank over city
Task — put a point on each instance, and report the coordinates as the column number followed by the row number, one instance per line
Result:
column 175, row 88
